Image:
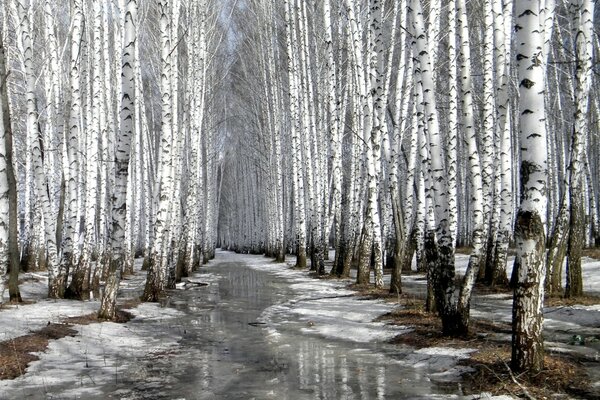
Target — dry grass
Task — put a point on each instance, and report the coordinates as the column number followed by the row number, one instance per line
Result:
column 325, row 277
column 370, row 292
column 491, row 373
column 557, row 301
column 489, row 363
column 128, row 304
column 592, row 252
column 122, row 317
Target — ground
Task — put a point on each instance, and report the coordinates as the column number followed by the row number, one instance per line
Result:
column 43, row 340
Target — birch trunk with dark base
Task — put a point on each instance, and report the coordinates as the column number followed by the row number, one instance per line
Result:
column 409, row 251
column 79, row 287
column 574, row 285
column 196, row 264
column 583, row 12
column 129, row 267
column 557, row 251
column 399, row 246
column 431, row 256
column 108, row 304
column 74, row 137
column 317, row 261
column 95, row 281
column 301, row 258
column 443, row 285
column 119, row 250
column 395, row 259
column 57, row 286
column 33, row 258
column 499, row 278
column 340, row 256
column 14, row 294
column 530, row 227
column 9, row 246
column 398, row 258
column 154, row 289
column 280, row 253
column 365, row 251
column 146, row 263
column 527, row 338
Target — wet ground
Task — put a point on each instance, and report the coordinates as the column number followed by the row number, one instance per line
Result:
column 227, row 351
column 246, row 328
column 242, row 328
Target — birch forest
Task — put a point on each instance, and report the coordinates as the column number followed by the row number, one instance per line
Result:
column 363, row 138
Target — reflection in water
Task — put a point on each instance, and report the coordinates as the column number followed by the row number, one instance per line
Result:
column 223, row 356
column 328, row 373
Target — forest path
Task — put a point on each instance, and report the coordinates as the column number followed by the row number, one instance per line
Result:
column 240, row 341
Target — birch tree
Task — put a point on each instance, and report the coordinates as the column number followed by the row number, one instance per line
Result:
column 298, row 178
column 79, row 286
column 583, row 24
column 118, row 253
column 70, row 236
column 9, row 246
column 530, row 227
column 156, row 280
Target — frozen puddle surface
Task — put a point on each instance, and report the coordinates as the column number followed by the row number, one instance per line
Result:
column 256, row 331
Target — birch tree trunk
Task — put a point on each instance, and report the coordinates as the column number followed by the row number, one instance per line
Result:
column 9, row 246
column 475, row 176
column 530, row 227
column 296, row 152
column 487, row 148
column 80, row 281
column 584, row 26
column 402, row 212
column 118, row 252
column 21, row 12
column 71, row 227
column 503, row 37
column 156, row 280
column 439, row 241
column 334, row 126
column 56, row 274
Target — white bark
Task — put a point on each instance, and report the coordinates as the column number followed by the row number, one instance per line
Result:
column 298, row 178
column 475, row 176
column 156, row 281
column 72, row 169
column 531, row 219
column 4, row 188
column 121, row 157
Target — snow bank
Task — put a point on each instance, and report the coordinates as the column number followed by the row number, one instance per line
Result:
column 77, row 367
column 20, row 320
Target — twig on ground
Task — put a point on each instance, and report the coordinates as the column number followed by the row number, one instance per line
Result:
column 500, row 379
column 523, row 388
